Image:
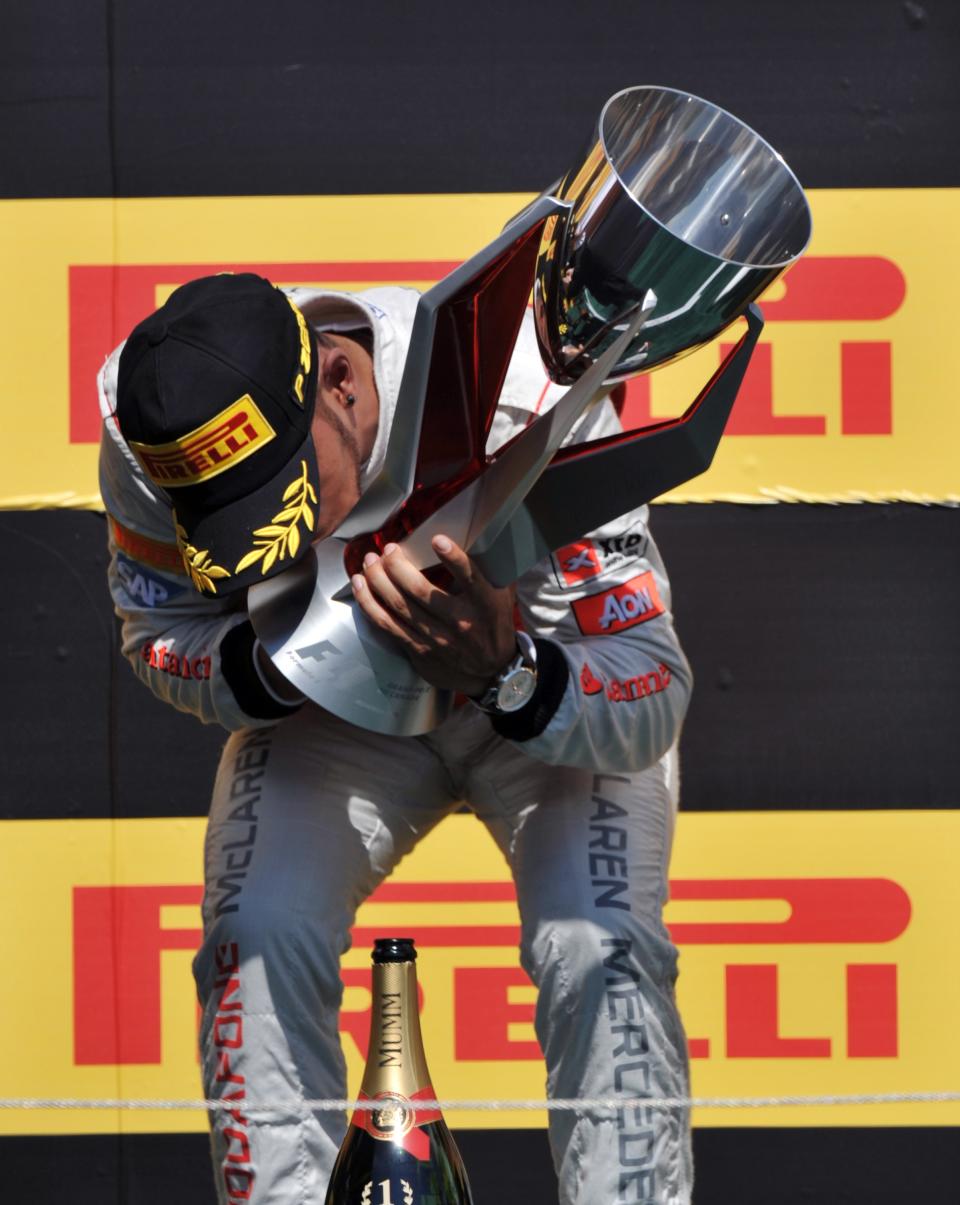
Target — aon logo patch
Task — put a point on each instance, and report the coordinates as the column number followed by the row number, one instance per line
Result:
column 619, row 608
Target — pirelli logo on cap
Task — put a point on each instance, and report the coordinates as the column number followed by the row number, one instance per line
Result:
column 220, row 444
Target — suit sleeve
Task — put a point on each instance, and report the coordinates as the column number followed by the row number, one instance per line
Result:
column 193, row 652
column 613, row 682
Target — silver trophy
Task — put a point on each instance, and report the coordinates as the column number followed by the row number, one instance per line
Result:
column 675, row 221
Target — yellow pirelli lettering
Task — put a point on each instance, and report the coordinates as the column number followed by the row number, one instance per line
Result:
column 220, row 444
column 303, row 365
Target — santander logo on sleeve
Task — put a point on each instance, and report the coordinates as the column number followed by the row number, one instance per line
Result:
column 620, row 607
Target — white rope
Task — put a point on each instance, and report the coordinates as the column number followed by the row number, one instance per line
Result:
column 574, row 1105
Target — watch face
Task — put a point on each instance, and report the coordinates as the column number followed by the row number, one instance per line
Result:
column 516, row 689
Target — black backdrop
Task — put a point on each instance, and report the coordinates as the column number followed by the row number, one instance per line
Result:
column 817, row 686
column 856, row 708
column 130, row 98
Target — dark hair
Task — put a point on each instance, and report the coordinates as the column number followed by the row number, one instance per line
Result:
column 361, row 335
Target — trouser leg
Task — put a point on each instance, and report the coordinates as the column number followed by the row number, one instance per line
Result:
column 589, row 855
column 307, row 818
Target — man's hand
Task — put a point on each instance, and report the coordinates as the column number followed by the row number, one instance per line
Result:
column 456, row 640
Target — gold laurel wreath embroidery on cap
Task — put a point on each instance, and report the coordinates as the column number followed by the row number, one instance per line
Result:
column 281, row 537
column 198, row 563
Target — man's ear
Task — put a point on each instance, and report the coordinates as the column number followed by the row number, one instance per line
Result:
column 336, row 374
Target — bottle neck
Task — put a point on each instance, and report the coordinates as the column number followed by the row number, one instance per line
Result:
column 396, row 1061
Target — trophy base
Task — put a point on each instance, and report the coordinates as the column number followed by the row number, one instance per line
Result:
column 321, row 642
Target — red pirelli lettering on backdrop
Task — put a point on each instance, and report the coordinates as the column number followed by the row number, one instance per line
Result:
column 822, row 289
column 107, row 300
column 118, row 937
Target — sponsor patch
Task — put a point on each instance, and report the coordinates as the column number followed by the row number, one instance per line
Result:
column 589, row 684
column 220, row 444
column 236, row 1167
column 145, row 587
column 619, row 608
column 158, row 656
column 148, row 552
column 586, row 559
column 626, row 690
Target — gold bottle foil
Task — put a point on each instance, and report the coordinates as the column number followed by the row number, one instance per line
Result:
column 396, row 1070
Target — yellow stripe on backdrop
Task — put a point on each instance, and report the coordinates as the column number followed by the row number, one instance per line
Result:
column 818, row 957
column 851, row 395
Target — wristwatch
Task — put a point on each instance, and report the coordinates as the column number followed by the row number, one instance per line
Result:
column 513, row 686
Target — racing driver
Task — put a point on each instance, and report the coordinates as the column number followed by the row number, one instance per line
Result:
column 242, row 422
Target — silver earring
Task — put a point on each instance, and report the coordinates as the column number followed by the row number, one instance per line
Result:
column 351, row 399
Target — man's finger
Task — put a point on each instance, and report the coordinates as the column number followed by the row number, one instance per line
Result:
column 380, row 617
column 384, row 586
column 456, row 561
column 426, row 603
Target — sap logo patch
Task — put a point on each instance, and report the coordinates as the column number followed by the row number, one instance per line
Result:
column 619, row 608
column 142, row 586
column 586, row 559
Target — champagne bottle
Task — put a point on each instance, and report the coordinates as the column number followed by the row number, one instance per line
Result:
column 397, row 1154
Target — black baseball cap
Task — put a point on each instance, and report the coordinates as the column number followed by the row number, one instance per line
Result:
column 215, row 396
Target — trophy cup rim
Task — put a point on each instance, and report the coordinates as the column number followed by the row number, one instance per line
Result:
column 776, row 265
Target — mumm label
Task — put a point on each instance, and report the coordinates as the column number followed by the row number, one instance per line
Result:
column 391, row 1030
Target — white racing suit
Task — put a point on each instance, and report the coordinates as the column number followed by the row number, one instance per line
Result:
column 311, row 813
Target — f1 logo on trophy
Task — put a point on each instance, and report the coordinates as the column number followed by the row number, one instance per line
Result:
column 677, row 218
